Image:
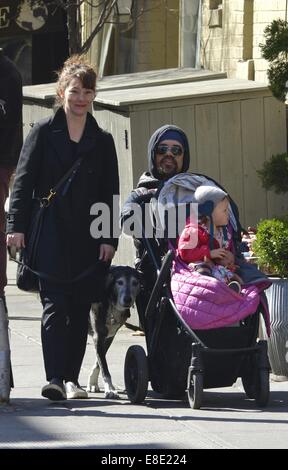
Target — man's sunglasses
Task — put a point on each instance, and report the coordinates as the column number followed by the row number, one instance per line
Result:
column 176, row 150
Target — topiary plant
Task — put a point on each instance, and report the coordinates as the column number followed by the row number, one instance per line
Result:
column 275, row 50
column 271, row 246
column 274, row 173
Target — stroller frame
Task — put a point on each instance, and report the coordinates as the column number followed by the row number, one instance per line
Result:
column 252, row 366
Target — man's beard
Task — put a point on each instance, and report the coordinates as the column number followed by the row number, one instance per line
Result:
column 170, row 170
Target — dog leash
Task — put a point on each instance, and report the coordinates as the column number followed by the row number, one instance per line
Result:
column 48, row 277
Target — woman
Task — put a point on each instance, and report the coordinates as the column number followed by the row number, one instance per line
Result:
column 66, row 248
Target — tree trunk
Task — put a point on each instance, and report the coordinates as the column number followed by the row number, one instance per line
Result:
column 74, row 27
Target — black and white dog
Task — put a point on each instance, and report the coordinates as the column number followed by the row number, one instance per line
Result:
column 121, row 289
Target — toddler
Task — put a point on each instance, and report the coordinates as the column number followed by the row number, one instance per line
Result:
column 212, row 255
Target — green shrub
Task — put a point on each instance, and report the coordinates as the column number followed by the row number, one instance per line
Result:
column 271, row 246
column 275, row 51
column 274, row 173
column 278, row 76
column 276, row 41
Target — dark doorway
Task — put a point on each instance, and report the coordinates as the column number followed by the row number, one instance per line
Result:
column 49, row 51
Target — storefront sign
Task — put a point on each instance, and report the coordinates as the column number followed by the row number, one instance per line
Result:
column 22, row 16
column 4, row 17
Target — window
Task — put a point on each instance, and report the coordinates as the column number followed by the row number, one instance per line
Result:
column 214, row 4
column 215, row 20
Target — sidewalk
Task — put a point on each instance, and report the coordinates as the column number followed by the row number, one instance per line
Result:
column 227, row 421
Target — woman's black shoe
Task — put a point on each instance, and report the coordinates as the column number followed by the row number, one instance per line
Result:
column 55, row 390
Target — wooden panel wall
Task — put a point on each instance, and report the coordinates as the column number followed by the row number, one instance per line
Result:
column 275, row 142
column 229, row 136
column 229, row 141
column 253, row 155
column 140, row 134
column 118, row 124
column 207, row 140
column 230, row 151
column 184, row 117
column 32, row 113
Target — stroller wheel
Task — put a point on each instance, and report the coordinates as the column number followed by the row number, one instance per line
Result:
column 257, row 387
column 256, row 380
column 249, row 386
column 262, row 387
column 136, row 374
column 263, row 383
column 195, row 390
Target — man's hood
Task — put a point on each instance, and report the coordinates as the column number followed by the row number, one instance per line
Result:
column 154, row 141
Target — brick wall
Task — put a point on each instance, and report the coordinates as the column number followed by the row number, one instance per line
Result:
column 264, row 12
column 156, row 35
column 152, row 44
column 230, row 47
column 222, row 44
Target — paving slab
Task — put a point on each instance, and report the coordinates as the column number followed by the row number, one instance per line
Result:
column 227, row 421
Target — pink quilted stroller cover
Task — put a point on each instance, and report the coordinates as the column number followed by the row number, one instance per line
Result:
column 204, row 302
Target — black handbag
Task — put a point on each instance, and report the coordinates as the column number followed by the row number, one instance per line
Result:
column 27, row 279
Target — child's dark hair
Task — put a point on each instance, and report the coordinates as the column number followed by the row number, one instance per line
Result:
column 75, row 66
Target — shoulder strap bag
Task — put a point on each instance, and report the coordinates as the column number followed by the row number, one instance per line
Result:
column 27, row 278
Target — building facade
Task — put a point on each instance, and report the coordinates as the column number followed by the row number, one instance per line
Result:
column 34, row 35
column 231, row 33
column 166, row 34
column 219, row 35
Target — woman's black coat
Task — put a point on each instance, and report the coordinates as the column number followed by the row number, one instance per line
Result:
column 66, row 246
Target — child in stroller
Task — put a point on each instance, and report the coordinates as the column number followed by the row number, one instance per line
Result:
column 206, row 244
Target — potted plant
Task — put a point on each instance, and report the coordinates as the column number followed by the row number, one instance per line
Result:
column 271, row 247
column 271, row 250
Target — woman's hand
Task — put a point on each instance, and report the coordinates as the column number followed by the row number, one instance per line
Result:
column 107, row 252
column 16, row 240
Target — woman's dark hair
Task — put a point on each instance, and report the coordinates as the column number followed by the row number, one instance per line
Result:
column 75, row 66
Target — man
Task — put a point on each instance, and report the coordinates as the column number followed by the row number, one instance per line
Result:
column 168, row 162
column 168, row 155
column 10, row 146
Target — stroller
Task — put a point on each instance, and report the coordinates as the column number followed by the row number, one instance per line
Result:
column 181, row 360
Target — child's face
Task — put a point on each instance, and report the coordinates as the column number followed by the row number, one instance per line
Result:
column 220, row 213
